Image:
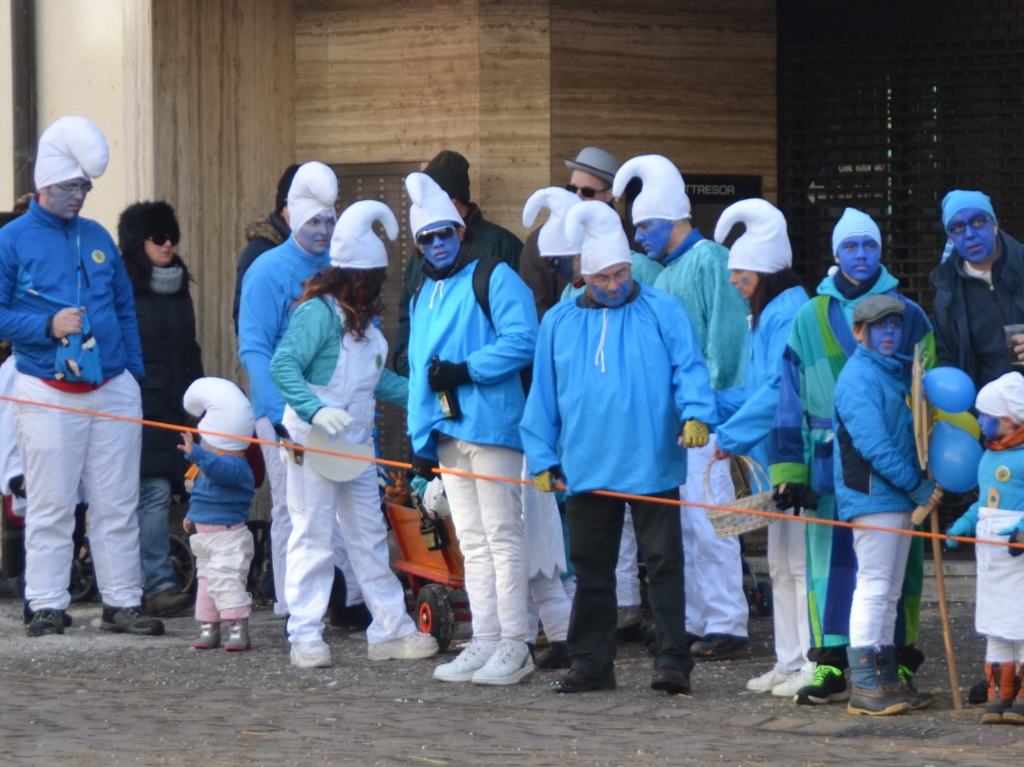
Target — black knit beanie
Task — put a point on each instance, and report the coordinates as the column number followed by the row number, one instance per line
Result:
column 451, row 172
column 283, row 186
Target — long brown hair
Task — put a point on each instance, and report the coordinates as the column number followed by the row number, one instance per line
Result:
column 357, row 291
column 769, row 286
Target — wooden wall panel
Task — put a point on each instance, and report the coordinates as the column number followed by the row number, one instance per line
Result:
column 223, row 115
column 694, row 81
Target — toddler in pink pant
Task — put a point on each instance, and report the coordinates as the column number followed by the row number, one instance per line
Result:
column 223, row 489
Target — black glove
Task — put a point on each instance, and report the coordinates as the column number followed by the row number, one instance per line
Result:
column 424, row 467
column 447, row 375
column 17, row 485
column 796, row 496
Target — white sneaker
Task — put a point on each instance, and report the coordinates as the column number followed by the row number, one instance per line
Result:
column 414, row 645
column 510, row 664
column 769, row 680
column 314, row 654
column 789, row 688
column 472, row 658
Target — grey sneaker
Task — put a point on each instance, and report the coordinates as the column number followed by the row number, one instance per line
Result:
column 46, row 622
column 130, row 620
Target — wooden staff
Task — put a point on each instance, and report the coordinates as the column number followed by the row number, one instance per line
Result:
column 931, row 510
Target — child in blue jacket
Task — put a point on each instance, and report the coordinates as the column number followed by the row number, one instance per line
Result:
column 998, row 515
column 879, row 483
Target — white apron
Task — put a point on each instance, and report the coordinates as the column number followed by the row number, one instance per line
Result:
column 1000, row 578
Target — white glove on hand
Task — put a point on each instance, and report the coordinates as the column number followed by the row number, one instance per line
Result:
column 332, row 420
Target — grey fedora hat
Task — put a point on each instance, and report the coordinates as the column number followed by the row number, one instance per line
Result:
column 597, row 161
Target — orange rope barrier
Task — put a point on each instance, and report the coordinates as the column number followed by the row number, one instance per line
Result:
column 607, row 493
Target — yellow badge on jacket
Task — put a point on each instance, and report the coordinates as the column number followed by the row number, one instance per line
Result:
column 1003, row 473
column 99, row 256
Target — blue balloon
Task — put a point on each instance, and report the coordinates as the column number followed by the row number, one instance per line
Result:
column 953, row 457
column 949, row 389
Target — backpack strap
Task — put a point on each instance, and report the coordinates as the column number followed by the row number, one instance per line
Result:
column 482, row 284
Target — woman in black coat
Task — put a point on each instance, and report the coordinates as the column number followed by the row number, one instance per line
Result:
column 147, row 235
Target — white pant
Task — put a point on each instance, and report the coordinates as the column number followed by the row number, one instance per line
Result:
column 787, row 568
column 59, row 448
column 1003, row 651
column 223, row 558
column 489, row 523
column 713, row 572
column 281, row 524
column 881, row 565
column 627, row 577
column 314, row 504
column 551, row 604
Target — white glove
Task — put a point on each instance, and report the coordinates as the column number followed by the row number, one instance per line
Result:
column 332, row 420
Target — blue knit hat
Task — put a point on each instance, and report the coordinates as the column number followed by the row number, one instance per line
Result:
column 852, row 223
column 959, row 200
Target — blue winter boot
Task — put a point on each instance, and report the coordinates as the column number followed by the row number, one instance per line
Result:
column 876, row 689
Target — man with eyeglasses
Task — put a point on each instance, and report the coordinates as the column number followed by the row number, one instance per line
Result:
column 64, row 291
column 697, row 273
column 450, row 170
column 979, row 291
column 621, row 359
column 465, row 401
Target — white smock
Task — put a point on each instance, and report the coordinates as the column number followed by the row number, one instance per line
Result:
column 1000, row 578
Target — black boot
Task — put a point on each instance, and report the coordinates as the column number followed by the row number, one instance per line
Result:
column 910, row 659
column 555, row 656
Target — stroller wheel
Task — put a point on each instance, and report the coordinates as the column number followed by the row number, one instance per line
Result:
column 434, row 613
column 82, row 584
column 184, row 562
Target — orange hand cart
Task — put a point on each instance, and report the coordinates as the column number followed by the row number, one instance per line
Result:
column 436, row 577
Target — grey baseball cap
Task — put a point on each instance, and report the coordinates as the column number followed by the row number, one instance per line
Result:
column 874, row 308
column 597, row 161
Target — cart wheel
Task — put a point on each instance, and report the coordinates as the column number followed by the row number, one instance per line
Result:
column 434, row 614
column 184, row 562
column 764, row 603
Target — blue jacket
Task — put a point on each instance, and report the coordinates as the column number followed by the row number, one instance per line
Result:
column 223, row 490
column 41, row 252
column 611, row 387
column 448, row 323
column 877, row 468
column 747, row 431
column 269, row 291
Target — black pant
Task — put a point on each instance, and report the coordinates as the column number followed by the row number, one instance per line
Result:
column 595, row 529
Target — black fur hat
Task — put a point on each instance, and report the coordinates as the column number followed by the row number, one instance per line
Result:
column 143, row 220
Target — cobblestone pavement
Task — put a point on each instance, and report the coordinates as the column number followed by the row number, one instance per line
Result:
column 100, row 699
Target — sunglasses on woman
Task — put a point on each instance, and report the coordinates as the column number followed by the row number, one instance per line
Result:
column 160, row 239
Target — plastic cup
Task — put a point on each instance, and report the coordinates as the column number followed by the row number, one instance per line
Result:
column 1011, row 331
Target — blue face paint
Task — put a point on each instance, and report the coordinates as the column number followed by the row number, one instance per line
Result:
column 858, row 257
column 884, row 336
column 66, row 198
column 989, row 425
column 614, row 297
column 440, row 243
column 973, row 233
column 653, row 235
column 314, row 236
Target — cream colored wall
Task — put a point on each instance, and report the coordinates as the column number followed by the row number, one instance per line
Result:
column 80, row 70
column 6, row 119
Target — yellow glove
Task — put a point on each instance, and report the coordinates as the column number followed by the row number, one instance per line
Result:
column 695, row 433
column 545, row 481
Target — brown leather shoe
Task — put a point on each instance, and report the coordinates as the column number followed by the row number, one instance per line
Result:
column 674, row 681
column 577, row 681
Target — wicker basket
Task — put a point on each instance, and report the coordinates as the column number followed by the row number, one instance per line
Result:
column 728, row 523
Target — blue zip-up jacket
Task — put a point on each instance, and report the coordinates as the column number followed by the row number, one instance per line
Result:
column 611, row 387
column 269, row 291
column 747, row 431
column 447, row 322
column 223, row 490
column 41, row 251
column 877, row 468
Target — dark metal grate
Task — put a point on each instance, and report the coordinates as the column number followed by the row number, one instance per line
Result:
column 886, row 106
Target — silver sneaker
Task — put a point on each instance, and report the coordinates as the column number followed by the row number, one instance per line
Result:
column 315, row 654
column 412, row 646
column 238, row 636
column 511, row 664
column 472, row 658
column 209, row 636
